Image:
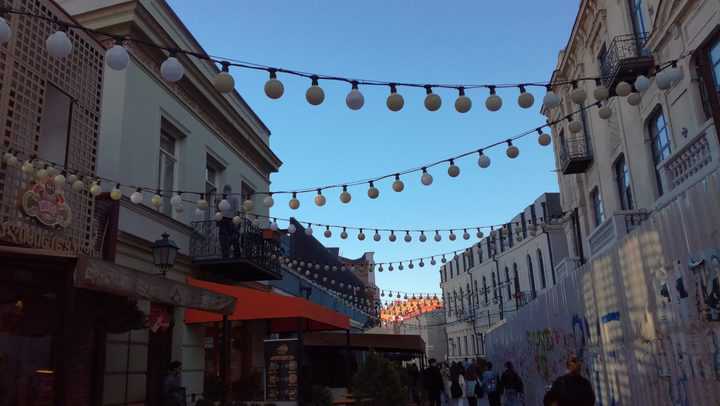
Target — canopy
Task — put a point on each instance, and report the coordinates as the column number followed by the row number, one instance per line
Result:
column 285, row 313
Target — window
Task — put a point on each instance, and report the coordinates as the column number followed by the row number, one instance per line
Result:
column 477, row 295
column 507, row 282
column 485, row 290
column 166, row 169
column 660, row 141
column 533, row 216
column 471, row 258
column 246, row 192
column 636, row 11
column 597, row 206
column 444, row 272
column 516, row 280
column 563, row 145
column 462, row 301
column 480, row 253
column 466, row 345
column 509, row 229
column 474, row 348
column 494, row 284
column 622, row 179
column 531, row 277
column 469, row 297
column 524, row 225
column 541, row 265
column 55, row 125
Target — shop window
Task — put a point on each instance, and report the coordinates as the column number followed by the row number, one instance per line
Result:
column 55, row 126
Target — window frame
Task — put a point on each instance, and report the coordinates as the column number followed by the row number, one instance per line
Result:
column 541, row 267
column 597, row 206
column 507, row 280
column 660, row 151
column 531, row 276
column 166, row 156
column 623, row 183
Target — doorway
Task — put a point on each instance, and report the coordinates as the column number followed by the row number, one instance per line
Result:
column 160, row 325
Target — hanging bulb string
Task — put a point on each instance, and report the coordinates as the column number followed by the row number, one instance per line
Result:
column 267, row 68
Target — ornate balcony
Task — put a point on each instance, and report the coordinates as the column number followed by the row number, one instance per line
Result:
column 625, row 58
column 226, row 251
column 575, row 154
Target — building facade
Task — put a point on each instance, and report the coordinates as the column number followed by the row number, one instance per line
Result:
column 509, row 267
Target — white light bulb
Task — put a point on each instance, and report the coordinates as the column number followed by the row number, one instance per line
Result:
column 28, row 168
column 327, row 233
column 463, row 104
column 218, row 216
column 116, row 193
column 224, row 205
column 136, row 197
column 176, row 201
column 156, row 200
column 315, row 95
column 483, row 161
column 41, row 173
column 274, row 225
column 5, row 31
column 59, row 180
column 202, row 204
column 578, row 95
column 373, row 192
column 309, row 230
column 575, row 126
column 453, row 170
column 642, row 83
column 634, row 99
column 236, row 220
column 291, row 228
column 493, row 102
column 663, row 80
column 601, row 93
column 268, row 201
column 274, row 88
column 117, row 57
column 551, row 100
column 344, row 234
column 605, row 112
column 11, row 161
column 248, row 205
column 95, row 189
column 345, row 196
column 224, row 82
column 172, row 70
column 355, row 98
column 426, row 179
column 526, row 99
column 78, row 186
column 320, row 200
column 432, row 101
column 52, row 171
column 58, row 45
column 623, row 89
column 398, row 185
column 395, row 101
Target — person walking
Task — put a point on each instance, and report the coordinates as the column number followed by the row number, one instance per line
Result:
column 445, row 373
column 457, row 385
column 571, row 389
column 433, row 383
column 173, row 393
column 491, row 386
column 512, row 386
column 471, row 384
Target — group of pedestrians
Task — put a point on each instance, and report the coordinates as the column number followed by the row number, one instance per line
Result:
column 460, row 384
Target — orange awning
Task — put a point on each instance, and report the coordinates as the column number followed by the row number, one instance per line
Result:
column 285, row 313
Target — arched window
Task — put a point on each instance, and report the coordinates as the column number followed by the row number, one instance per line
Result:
column 462, row 301
column 531, row 277
column 455, row 306
column 494, row 282
column 469, row 296
column 507, row 282
column 477, row 295
column 516, row 280
column 541, row 264
column 485, row 289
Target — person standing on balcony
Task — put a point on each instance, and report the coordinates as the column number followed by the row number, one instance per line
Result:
column 227, row 230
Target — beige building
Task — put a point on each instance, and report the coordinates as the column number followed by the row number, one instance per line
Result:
column 508, row 268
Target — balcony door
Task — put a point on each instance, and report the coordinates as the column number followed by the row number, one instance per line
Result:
column 638, row 22
column 708, row 64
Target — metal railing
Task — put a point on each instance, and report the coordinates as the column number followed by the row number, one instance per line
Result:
column 224, row 241
column 622, row 47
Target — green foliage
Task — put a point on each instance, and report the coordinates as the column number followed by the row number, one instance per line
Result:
column 320, row 396
column 379, row 383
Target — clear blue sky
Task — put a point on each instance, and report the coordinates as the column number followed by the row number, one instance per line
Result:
column 466, row 41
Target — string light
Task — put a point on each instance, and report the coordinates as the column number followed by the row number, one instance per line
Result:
column 493, row 102
column 604, row 112
column 315, row 95
column 398, row 184
column 600, row 93
column 577, row 94
column 483, row 160
column 453, row 170
column 525, row 99
column 345, row 195
column 395, row 101
column 623, row 89
column 463, row 104
column 432, row 100
column 634, row 99
column 268, row 201
column 373, row 192
column 274, row 88
column 294, row 203
column 171, row 69
column 328, row 232
column 574, row 126
column 551, row 100
column 117, row 57
column 544, row 139
column 426, row 179
column 392, row 236
column 223, row 81
column 58, row 45
column 642, row 83
column 319, row 198
column 355, row 99
column 512, row 151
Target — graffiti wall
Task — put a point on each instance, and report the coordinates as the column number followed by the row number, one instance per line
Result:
column 643, row 316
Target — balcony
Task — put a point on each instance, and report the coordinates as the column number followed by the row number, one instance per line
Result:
column 699, row 157
column 575, row 154
column 625, row 59
column 226, row 251
column 614, row 229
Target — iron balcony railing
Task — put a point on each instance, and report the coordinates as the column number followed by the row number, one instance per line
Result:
column 226, row 242
column 575, row 153
column 623, row 48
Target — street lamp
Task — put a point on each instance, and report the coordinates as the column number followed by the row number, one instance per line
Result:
column 164, row 253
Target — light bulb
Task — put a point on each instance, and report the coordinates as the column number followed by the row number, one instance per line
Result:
column 78, row 186
column 493, row 102
column 479, row 234
column 59, row 180
column 463, row 104
column 453, row 170
column 345, row 195
column 202, row 204
column 274, row 88
column 274, row 225
column 320, row 199
column 432, row 261
column 237, row 220
column 248, row 205
column 309, row 230
column 376, row 236
column 578, row 95
column 117, row 57
column 58, row 45
column 426, row 179
column 291, row 228
column 361, row 235
column 11, row 160
column 327, row 232
column 373, row 192
column 634, row 99
column 600, row 92
column 466, row 235
column 544, row 139
column 268, row 201
column 525, row 99
column 512, row 151
column 551, row 100
column 315, row 94
column 5, row 31
column 605, row 112
column 171, row 69
column 623, row 89
column 437, row 237
column 483, row 160
column 223, row 81
column 422, row 237
column 663, row 80
column 407, row 237
column 41, row 173
column 398, row 184
column 642, row 83
column 452, row 236
column 218, row 216
column 294, row 203
column 176, row 202
column 95, row 189
column 395, row 101
column 575, row 126
column 156, row 200
column 136, row 197
column 392, row 237
column 432, row 100
column 116, row 193
column 344, row 234
column 52, row 171
column 28, row 168
column 355, row 98
column 224, row 205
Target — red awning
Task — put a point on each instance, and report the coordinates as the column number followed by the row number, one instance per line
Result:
column 285, row 313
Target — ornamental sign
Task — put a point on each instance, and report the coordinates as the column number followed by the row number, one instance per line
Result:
column 45, row 202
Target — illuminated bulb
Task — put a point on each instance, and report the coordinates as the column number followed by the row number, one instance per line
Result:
column 345, row 196
column 355, row 98
column 171, row 69
column 117, row 57
column 578, row 95
column 41, row 173
column 59, row 180
column 438, row 237
column 223, row 81
column 315, row 94
column 623, row 89
column 634, row 99
column 392, row 236
column 376, row 236
column 605, row 112
column 51, row 171
column 398, row 184
column 79, row 185
column 5, row 31
column 432, row 100
column 551, row 100
column 642, row 83
column 116, row 193
column 294, row 203
column 218, row 216
column 463, row 104
column 453, row 170
column 327, row 232
column 156, row 200
column 274, row 88
column 309, row 230
column 361, row 235
column 95, row 189
column 525, row 99
column 575, row 126
column 291, row 228
column 373, row 192
column 426, row 179
column 224, row 205
column 28, row 168
column 395, row 101
column 237, row 220
column 408, row 237
column 423, row 237
column 512, row 151
column 11, row 160
column 136, row 197
column 58, row 45
column 268, row 201
column 483, row 160
column 544, row 139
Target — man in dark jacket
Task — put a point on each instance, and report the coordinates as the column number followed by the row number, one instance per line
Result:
column 512, row 385
column 433, row 382
column 571, row 389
